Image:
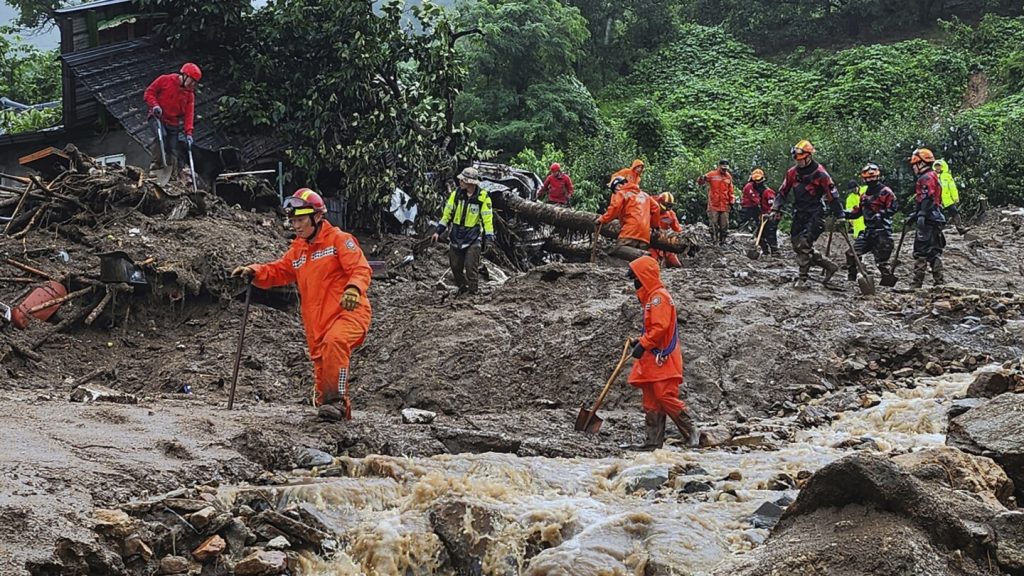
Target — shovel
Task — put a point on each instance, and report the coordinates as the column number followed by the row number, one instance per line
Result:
column 163, row 175
column 889, row 280
column 755, row 252
column 192, row 170
column 238, row 351
column 587, row 420
column 865, row 282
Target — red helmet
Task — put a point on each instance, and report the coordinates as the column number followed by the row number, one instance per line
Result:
column 192, row 71
column 555, row 167
column 304, row 202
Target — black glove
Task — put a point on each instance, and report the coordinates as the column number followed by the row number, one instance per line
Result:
column 638, row 349
column 157, row 111
column 837, row 210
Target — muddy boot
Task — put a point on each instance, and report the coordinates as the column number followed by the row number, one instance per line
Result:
column 331, row 412
column 920, row 267
column 937, row 272
column 829, row 269
column 687, row 428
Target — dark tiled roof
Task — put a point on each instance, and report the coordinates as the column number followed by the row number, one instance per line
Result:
column 89, row 6
column 118, row 74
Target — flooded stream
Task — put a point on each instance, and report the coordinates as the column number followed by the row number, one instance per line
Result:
column 685, row 511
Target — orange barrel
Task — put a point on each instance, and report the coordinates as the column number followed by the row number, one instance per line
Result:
column 49, row 291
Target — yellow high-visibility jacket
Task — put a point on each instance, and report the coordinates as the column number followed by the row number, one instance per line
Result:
column 852, row 201
column 950, row 193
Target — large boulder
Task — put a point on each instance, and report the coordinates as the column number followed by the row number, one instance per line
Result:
column 994, row 429
column 870, row 515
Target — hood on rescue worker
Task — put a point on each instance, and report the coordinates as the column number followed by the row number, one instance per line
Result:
column 646, row 276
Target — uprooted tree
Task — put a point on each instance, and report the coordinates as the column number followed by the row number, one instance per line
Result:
column 363, row 100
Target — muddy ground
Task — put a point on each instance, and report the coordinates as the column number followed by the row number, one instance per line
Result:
column 506, row 370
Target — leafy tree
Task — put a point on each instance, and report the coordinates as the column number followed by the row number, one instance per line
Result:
column 29, row 76
column 35, row 13
column 522, row 91
column 196, row 25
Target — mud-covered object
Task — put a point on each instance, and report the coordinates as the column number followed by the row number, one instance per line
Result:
column 117, row 267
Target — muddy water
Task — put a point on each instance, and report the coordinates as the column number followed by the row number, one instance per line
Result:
column 580, row 512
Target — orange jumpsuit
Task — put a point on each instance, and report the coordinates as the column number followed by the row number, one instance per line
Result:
column 659, row 372
column 323, row 268
column 634, row 209
column 666, row 220
column 631, row 174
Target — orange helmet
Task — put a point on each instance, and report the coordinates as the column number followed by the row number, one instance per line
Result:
column 192, row 71
column 666, row 199
column 802, row 150
column 922, row 155
column 304, row 202
column 757, row 175
column 871, row 172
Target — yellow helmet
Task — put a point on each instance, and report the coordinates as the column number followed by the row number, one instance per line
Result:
column 666, row 199
column 757, row 175
column 802, row 150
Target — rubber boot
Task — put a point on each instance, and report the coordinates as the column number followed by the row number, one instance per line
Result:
column 687, row 428
column 937, row 272
column 920, row 267
column 335, row 411
column 829, row 269
column 851, row 267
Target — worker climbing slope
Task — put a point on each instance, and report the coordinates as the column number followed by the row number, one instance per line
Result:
column 635, row 210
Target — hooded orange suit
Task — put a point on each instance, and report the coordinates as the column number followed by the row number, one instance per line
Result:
column 631, row 174
column 323, row 268
column 634, row 209
column 659, row 372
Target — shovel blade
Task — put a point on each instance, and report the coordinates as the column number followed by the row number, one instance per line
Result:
column 163, row 175
column 866, row 285
column 587, row 421
column 888, row 280
column 753, row 253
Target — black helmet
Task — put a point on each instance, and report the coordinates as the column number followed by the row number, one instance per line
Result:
column 616, row 182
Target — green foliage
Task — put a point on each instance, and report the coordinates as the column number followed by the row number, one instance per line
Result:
column 197, row 25
column 361, row 100
column 35, row 13
column 522, row 91
column 27, row 74
column 13, row 122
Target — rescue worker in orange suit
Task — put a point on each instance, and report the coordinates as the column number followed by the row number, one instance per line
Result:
column 333, row 277
column 877, row 206
column 635, row 210
column 658, row 368
column 813, row 189
column 557, row 187
column 631, row 174
column 765, row 199
column 750, row 201
column 929, row 241
column 666, row 220
column 171, row 101
column 721, row 197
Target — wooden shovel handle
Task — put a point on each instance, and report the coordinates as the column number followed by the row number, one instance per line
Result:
column 608, row 385
column 846, row 236
column 760, row 231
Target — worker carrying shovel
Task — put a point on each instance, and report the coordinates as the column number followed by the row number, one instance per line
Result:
column 658, row 366
column 171, row 101
column 877, row 206
column 332, row 276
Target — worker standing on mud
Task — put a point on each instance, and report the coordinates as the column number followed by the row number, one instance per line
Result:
column 812, row 189
column 950, row 196
column 854, row 192
column 171, row 102
column 765, row 199
column 469, row 213
column 333, row 277
column 666, row 220
column 557, row 187
column 877, row 207
column 635, row 210
column 750, row 200
column 721, row 197
column 929, row 240
column 658, row 369
column 633, row 174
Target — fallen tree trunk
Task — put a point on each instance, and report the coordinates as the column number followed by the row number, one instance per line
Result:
column 584, row 222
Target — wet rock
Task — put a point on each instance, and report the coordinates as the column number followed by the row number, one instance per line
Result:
column 87, row 558
column 962, row 405
column 97, row 393
column 784, row 502
column 310, row 457
column 990, row 383
column 953, row 468
column 201, row 518
column 767, row 515
column 134, row 546
column 714, row 436
column 691, row 469
column 812, row 416
column 1009, row 529
column 903, row 373
column 752, row 440
column 781, row 481
column 735, row 476
column 994, row 429
column 934, row 368
column 279, row 543
column 648, row 477
column 870, row 400
column 173, row 565
column 417, row 416
column 465, row 530
column 182, row 505
column 292, row 527
column 696, row 487
column 211, row 548
column 237, row 535
column 262, row 563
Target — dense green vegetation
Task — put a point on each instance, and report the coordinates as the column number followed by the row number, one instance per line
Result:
column 28, row 76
